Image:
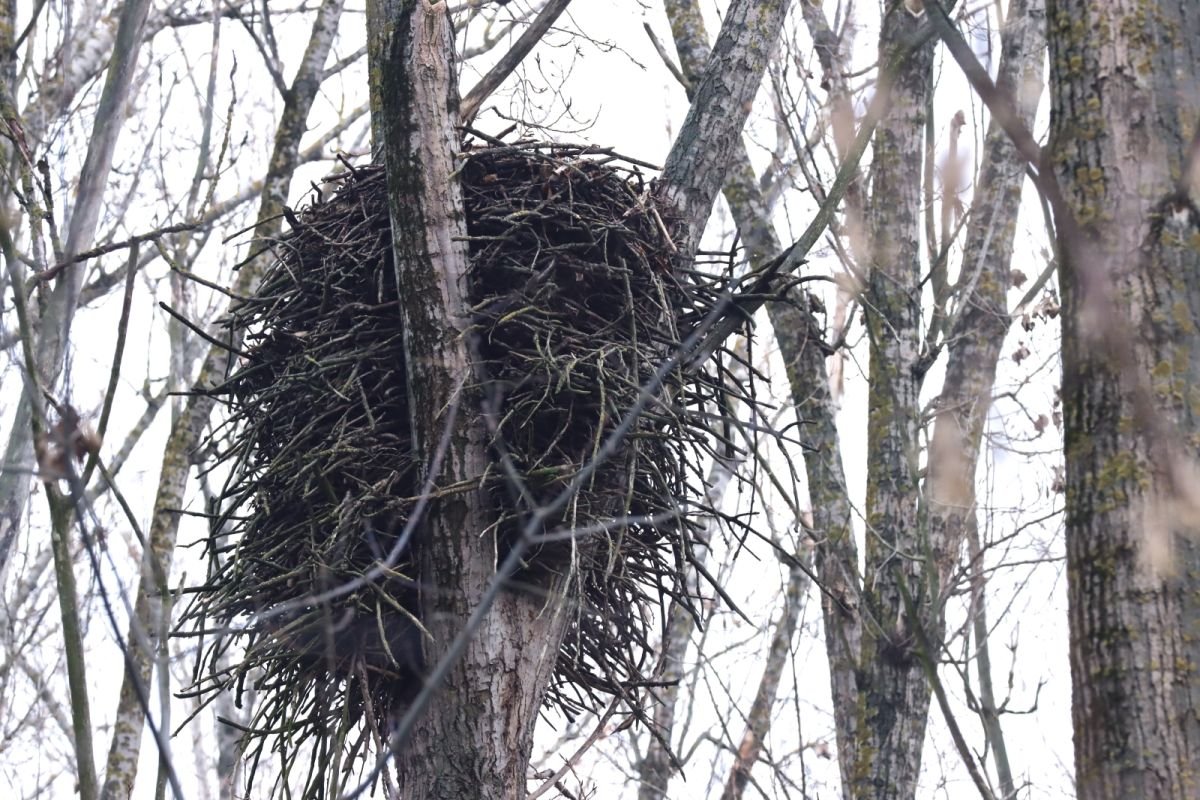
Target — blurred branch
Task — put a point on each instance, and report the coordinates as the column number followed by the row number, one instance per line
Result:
column 758, row 721
column 989, row 714
column 54, row 325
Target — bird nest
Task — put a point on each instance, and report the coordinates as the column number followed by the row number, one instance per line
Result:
column 311, row 598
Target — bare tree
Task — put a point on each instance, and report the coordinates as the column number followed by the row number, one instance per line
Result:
column 919, row 293
column 51, row 281
column 916, row 518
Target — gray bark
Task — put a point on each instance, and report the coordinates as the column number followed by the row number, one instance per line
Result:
column 476, row 739
column 988, row 251
column 894, row 695
column 696, row 167
column 1125, row 87
column 982, row 319
column 976, row 333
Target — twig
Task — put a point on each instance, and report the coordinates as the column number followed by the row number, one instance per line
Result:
column 516, row 54
column 96, row 252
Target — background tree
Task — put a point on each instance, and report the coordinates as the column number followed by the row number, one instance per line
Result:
column 919, row 514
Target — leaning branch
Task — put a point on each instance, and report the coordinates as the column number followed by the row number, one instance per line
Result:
column 504, row 67
column 697, row 164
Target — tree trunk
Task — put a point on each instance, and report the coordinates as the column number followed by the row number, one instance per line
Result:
column 893, row 697
column 475, row 741
column 54, row 326
column 710, row 138
column 978, row 327
column 1125, row 82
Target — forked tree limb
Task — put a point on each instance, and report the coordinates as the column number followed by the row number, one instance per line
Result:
column 490, row 679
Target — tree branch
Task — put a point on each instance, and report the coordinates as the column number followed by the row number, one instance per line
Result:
column 504, row 67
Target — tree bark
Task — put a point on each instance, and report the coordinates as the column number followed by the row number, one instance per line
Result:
column 1125, row 84
column 722, row 95
column 894, row 695
column 978, row 327
column 475, row 741
column 977, row 331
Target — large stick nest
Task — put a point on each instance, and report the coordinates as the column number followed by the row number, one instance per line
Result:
column 577, row 301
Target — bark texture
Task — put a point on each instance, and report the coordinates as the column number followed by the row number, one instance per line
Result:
column 1125, row 81
column 475, row 740
column 722, row 96
column 981, row 321
column 977, row 330
column 893, row 690
column 874, row 763
column 54, row 324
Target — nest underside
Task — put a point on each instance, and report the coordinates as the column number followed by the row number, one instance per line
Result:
column 577, row 303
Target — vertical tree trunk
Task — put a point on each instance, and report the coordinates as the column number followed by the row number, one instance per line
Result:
column 978, row 327
column 54, row 326
column 710, row 141
column 1125, row 81
column 893, row 697
column 475, row 740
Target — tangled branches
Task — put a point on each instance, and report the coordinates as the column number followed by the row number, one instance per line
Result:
column 577, row 303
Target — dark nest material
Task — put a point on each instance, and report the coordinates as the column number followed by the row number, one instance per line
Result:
column 311, row 601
